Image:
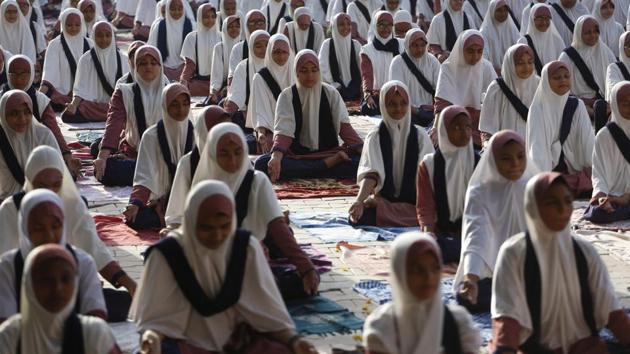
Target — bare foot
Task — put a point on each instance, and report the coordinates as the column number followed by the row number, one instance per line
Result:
column 336, row 159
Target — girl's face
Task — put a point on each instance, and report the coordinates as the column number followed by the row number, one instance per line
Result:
column 392, row 5
column 230, row 156
column 542, row 22
column 607, row 10
column 45, row 224
column 73, row 25
column 229, row 6
column 344, row 26
column 212, row 228
column 148, row 68
column 19, row 118
column 88, row 13
column 556, row 206
column 456, row 5
column 401, row 28
column 560, row 81
column 103, row 39
column 623, row 103
column 53, row 284
column 417, row 48
column 384, row 28
column 590, row 35
column 501, row 13
column 397, row 106
column 234, row 29
column 260, row 47
column 179, row 108
column 296, row 5
column 304, row 22
column 24, row 7
column 280, row 56
column 473, row 54
column 49, row 178
column 524, row 66
column 176, row 9
column 19, row 78
column 256, row 23
column 511, row 160
column 423, row 273
column 308, row 75
column 208, row 18
column 11, row 14
column 567, row 4
column 459, row 130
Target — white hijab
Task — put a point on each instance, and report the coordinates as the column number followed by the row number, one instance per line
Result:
column 609, row 29
column 562, row 320
column 459, row 165
column 460, row 83
column 437, row 31
column 199, row 45
column 30, row 201
column 174, row 35
column 548, row 44
column 343, row 47
column 42, row 100
column 16, row 37
column 87, row 84
column 408, row 325
column 611, row 172
column 493, row 210
column 613, row 73
column 372, row 157
column 543, row 129
column 160, row 305
column 271, row 10
column 245, row 71
column 380, row 59
column 498, row 36
column 228, row 44
column 573, row 13
column 497, row 113
column 301, row 37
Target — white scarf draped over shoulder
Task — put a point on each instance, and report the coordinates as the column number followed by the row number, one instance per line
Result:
column 548, row 44
column 160, row 305
column 300, row 36
column 562, row 320
column 174, row 35
column 437, row 31
column 498, row 36
column 381, row 60
column 199, row 45
column 613, row 73
column 16, row 37
column 244, row 73
column 609, row 29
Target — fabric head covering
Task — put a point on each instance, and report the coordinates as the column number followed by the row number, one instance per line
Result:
column 252, row 15
column 418, row 324
column 623, row 41
column 16, row 37
column 23, row 63
column 206, row 39
column 283, row 74
column 461, row 83
column 174, row 32
column 380, row 59
column 499, row 35
column 255, row 63
column 403, row 16
column 30, row 201
column 549, row 44
column 74, row 42
column 175, row 131
column 381, row 15
column 89, row 26
column 228, row 42
column 609, row 29
column 343, row 47
column 620, row 90
column 208, row 118
column 295, row 32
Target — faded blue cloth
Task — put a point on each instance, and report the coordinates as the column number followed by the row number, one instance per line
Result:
column 320, row 315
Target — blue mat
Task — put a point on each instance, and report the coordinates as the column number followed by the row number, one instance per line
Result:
column 380, row 292
column 334, row 227
column 320, row 315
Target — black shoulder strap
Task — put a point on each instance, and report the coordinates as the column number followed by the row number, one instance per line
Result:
column 18, row 270
column 537, row 61
column 187, row 282
column 242, row 197
column 162, row 42
column 624, row 70
column 516, row 102
column 73, row 335
column 187, row 27
column 324, row 5
column 247, row 88
column 533, row 293
column 333, row 63
column 585, row 289
column 271, row 82
column 166, row 151
column 451, row 36
column 516, row 21
column 407, row 191
column 476, row 8
column 245, row 50
column 439, row 190
column 364, row 11
column 138, row 108
column 563, row 15
column 565, row 129
column 31, row 25
column 310, row 40
column 621, row 139
column 10, row 159
column 69, row 57
column 328, row 135
column 426, row 85
column 451, row 341
column 297, row 112
column 99, row 72
column 283, row 10
column 584, row 70
column 17, row 199
column 32, row 93
column 194, row 162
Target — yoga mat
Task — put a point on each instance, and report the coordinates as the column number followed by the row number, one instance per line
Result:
column 334, row 227
column 579, row 223
column 320, row 261
column 316, row 188
column 320, row 315
column 114, row 232
column 83, row 126
column 96, row 193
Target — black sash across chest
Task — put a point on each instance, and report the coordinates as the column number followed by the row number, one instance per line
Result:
column 565, row 128
column 184, row 275
column 166, row 151
column 407, row 192
column 537, row 62
column 621, row 140
column 624, row 70
column 274, row 29
column 451, row 36
column 138, row 109
column 422, row 80
column 101, row 74
column 272, row 84
column 327, row 133
column 584, row 70
column 310, row 39
column 334, row 65
column 10, row 159
column 197, row 75
column 516, row 102
column 162, row 41
column 563, row 15
column 73, row 342
column 70, row 57
column 364, row 11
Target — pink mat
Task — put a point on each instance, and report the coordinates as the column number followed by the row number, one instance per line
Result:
column 114, row 232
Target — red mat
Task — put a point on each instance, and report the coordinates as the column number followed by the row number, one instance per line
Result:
column 316, row 188
column 80, row 151
column 114, row 232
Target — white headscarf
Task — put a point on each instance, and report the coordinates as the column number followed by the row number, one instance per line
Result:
column 245, row 71
column 372, row 158
column 548, row 44
column 493, row 210
column 497, row 113
column 75, row 43
column 380, row 59
column 437, row 31
column 160, row 305
column 460, row 83
column 87, row 83
column 408, row 325
column 30, row 201
column 543, row 129
column 151, row 93
column 300, row 36
column 562, row 321
column 611, row 172
column 174, row 35
column 609, row 29
column 16, row 37
column 343, row 47
column 498, row 36
column 271, row 10
column 459, row 164
column 228, row 43
column 596, row 58
column 613, row 73
column 573, row 13
column 363, row 25
column 199, row 45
